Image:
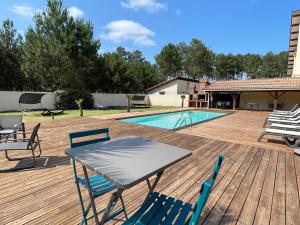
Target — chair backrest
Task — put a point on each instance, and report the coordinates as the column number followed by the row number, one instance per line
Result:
column 33, row 136
column 205, row 191
column 83, row 134
column 9, row 121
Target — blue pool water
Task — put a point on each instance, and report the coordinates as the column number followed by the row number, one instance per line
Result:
column 174, row 120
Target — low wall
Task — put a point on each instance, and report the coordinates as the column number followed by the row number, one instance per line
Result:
column 9, row 101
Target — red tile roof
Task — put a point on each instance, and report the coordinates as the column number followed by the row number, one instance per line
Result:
column 266, row 84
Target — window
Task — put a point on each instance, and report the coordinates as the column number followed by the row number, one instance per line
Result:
column 162, row 92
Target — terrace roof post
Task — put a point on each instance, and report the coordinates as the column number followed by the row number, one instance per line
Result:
column 275, row 100
column 234, row 97
column 207, row 95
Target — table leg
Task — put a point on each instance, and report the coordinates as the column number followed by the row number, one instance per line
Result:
column 91, row 195
column 113, row 199
column 152, row 187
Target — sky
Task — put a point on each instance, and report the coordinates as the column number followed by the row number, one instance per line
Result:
column 225, row 26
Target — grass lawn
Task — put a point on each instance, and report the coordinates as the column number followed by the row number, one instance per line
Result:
column 88, row 112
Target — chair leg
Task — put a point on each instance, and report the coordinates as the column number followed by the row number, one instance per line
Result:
column 261, row 136
column 290, row 143
column 84, row 219
column 266, row 122
column 33, row 156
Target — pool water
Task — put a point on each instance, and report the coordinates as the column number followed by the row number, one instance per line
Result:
column 174, row 120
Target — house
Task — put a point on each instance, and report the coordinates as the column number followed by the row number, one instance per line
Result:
column 294, row 48
column 265, row 94
column 175, row 86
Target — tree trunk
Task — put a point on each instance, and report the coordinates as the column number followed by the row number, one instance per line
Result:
column 128, row 105
column 81, row 110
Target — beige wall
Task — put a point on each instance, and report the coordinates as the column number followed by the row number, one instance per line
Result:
column 296, row 69
column 183, row 86
column 168, row 100
column 169, row 88
column 175, row 87
column 289, row 99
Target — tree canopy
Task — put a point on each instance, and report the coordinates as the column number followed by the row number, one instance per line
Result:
column 60, row 52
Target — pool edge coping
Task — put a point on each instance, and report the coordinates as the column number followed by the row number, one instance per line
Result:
column 179, row 128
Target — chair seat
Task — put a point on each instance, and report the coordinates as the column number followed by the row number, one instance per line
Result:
column 161, row 209
column 7, row 131
column 14, row 146
column 99, row 185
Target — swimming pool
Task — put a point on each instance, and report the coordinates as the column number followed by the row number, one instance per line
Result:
column 175, row 120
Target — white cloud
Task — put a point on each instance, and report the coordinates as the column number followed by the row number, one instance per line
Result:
column 75, row 12
column 150, row 6
column 23, row 10
column 178, row 12
column 128, row 30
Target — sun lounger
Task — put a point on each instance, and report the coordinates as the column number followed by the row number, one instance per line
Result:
column 292, row 121
column 285, row 126
column 291, row 115
column 297, row 151
column 296, row 107
column 290, row 137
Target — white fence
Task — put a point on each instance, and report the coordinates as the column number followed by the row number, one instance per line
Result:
column 9, row 100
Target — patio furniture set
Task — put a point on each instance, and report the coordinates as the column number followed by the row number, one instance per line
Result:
column 285, row 124
column 124, row 162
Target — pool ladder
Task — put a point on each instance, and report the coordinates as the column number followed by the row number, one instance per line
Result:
column 183, row 120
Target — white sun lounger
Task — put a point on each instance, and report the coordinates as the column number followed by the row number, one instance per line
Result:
column 285, row 126
column 291, row 115
column 297, row 151
column 292, row 121
column 296, row 107
column 290, row 137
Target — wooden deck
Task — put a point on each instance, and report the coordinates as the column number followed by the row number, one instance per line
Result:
column 256, row 185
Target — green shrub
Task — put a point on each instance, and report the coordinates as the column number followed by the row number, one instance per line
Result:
column 65, row 99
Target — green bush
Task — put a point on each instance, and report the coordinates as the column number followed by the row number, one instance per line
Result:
column 65, row 99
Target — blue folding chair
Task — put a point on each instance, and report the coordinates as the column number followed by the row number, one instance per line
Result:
column 164, row 210
column 99, row 185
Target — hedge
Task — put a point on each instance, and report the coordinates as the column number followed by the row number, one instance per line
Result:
column 65, row 99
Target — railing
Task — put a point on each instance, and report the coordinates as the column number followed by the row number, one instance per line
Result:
column 183, row 120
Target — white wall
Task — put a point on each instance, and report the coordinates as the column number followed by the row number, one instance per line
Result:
column 9, row 101
column 168, row 100
column 110, row 99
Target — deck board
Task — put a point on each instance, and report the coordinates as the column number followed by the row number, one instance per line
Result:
column 256, row 185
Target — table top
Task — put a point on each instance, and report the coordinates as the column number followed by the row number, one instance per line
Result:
column 128, row 160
